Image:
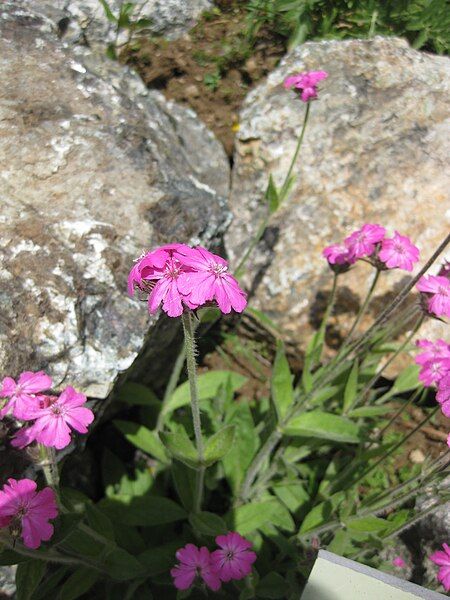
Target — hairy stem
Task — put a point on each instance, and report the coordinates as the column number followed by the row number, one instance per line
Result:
column 190, row 349
column 365, row 304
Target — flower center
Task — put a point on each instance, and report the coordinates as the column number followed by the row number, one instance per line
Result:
column 399, row 249
column 217, row 269
column 229, row 555
column 56, row 409
column 444, row 291
column 172, row 271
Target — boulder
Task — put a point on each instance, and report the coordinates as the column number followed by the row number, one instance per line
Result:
column 94, row 169
column 375, row 151
column 87, row 22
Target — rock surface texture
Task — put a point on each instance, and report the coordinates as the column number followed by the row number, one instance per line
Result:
column 94, row 170
column 375, row 150
column 86, row 21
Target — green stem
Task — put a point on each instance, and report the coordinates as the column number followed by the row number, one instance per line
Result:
column 283, row 191
column 395, row 417
column 380, row 371
column 389, row 452
column 190, row 349
column 258, row 461
column 49, row 466
column 285, row 186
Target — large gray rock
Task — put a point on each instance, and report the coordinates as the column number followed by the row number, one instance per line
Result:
column 86, row 22
column 375, row 150
column 94, row 170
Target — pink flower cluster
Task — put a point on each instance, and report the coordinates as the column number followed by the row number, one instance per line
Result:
column 52, row 417
column 442, row 558
column 371, row 244
column 233, row 560
column 305, row 84
column 436, row 293
column 435, row 370
column 177, row 276
column 26, row 512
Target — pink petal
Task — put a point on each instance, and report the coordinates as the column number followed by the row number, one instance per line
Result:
column 172, row 302
column 183, row 576
column 31, row 383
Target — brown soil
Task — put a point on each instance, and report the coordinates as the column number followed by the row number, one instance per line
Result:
column 211, row 69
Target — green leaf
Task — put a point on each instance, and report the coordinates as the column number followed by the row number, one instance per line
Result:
column 78, row 583
column 111, row 51
column 368, row 524
column 121, row 565
column 351, row 388
column 245, row 445
column 250, row 517
column 28, row 577
column 219, row 444
column 272, row 196
column 99, row 522
column 282, row 388
column 321, row 513
column 318, row 424
column 180, row 447
column 208, row 387
column 406, row 381
column 142, row 511
column 108, row 12
column 272, row 585
column 142, row 438
column 207, row 523
column 370, row 411
column 184, row 481
column 160, row 559
column 293, row 495
column 138, row 394
column 49, row 584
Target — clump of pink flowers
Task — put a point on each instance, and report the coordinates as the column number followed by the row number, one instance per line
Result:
column 435, row 370
column 442, row 558
column 178, row 277
column 399, row 562
column 232, row 561
column 371, row 244
column 436, row 294
column 305, row 84
column 49, row 419
column 26, row 512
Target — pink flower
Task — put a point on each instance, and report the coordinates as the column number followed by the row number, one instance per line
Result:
column 435, row 361
column 398, row 252
column 437, row 289
column 28, row 511
column 399, row 562
column 307, row 83
column 338, row 254
column 363, row 241
column 160, row 273
column 443, row 394
column 443, row 560
column 194, row 562
column 234, row 560
column 54, row 419
column 21, row 395
column 208, row 279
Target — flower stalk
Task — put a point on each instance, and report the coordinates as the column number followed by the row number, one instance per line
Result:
column 190, row 349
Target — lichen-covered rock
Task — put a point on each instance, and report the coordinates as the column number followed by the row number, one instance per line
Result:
column 87, row 22
column 94, row 170
column 375, row 150
column 7, row 582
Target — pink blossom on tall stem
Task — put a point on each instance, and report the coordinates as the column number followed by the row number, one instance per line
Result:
column 398, row 252
column 437, row 290
column 442, row 558
column 27, row 512
column 306, row 83
column 194, row 562
column 209, row 279
column 362, row 242
column 338, row 257
column 54, row 418
column 22, row 394
column 234, row 560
